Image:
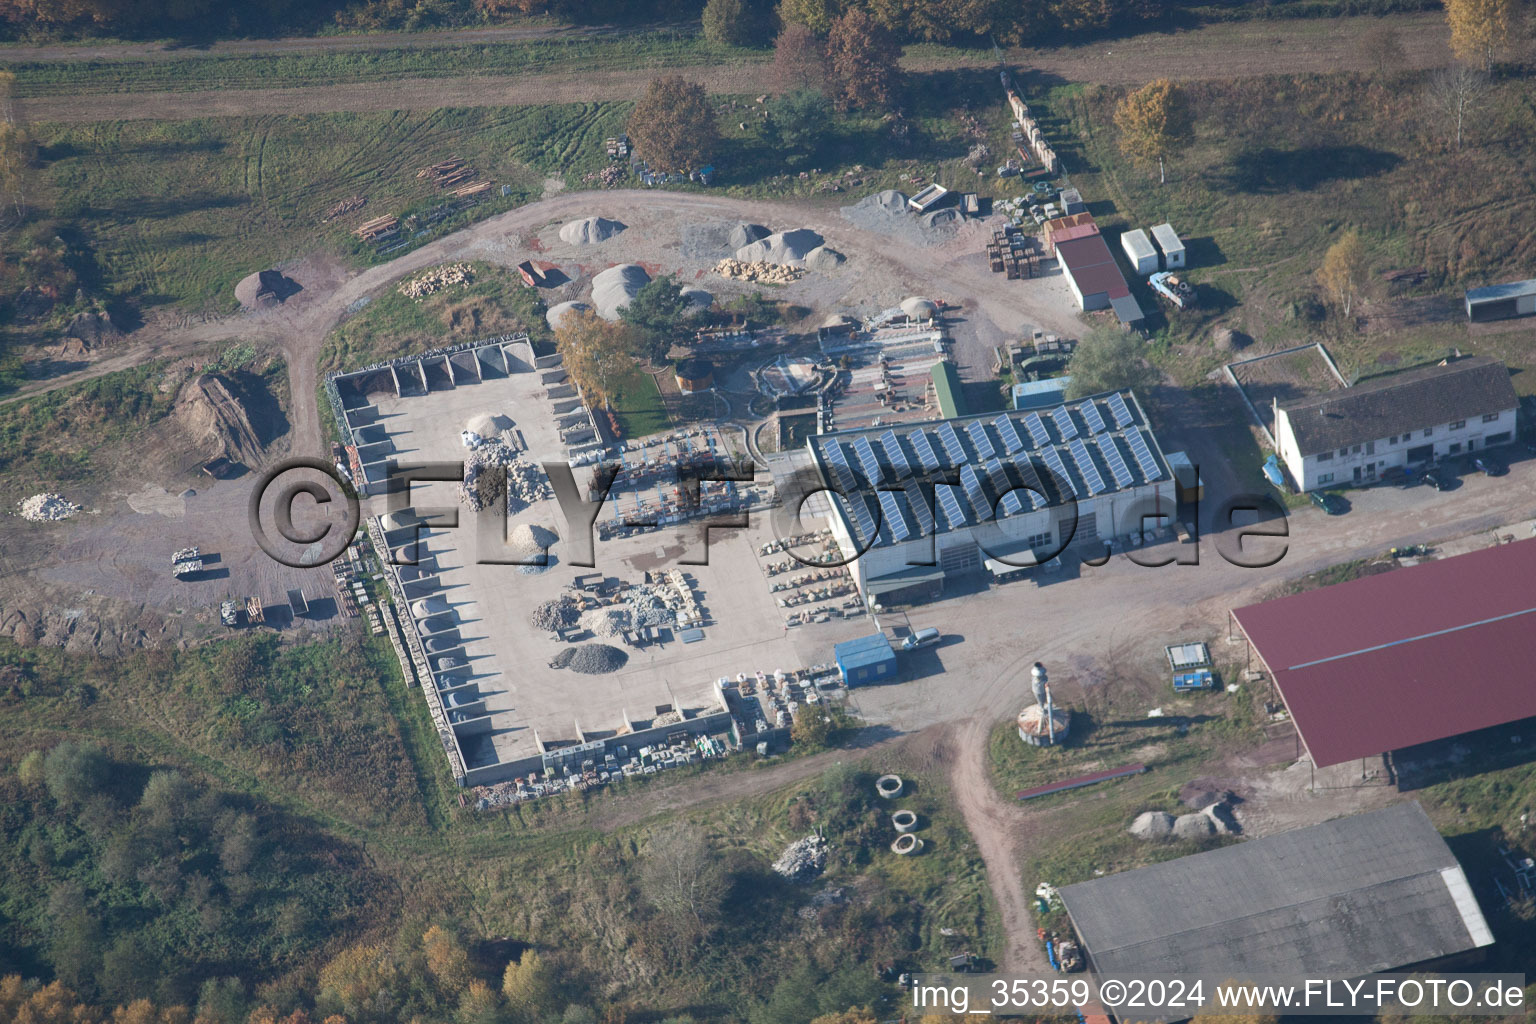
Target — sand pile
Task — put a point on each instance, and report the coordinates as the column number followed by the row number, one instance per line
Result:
column 1152, row 825
column 531, row 544
column 46, row 508
column 698, row 298
column 557, row 312
column 824, row 259
column 613, row 289
column 590, row 230
column 590, row 659
column 790, row 247
column 263, row 289
column 1192, row 826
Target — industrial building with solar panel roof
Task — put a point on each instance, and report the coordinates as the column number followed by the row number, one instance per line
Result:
column 1022, row 486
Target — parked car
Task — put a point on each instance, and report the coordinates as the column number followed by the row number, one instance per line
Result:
column 1330, row 503
column 922, row 638
column 1489, row 466
column 1437, row 479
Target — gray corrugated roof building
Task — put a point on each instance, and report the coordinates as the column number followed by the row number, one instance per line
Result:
column 1371, row 892
column 1400, row 403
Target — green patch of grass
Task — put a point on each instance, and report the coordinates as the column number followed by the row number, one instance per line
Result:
column 1341, row 573
column 639, row 407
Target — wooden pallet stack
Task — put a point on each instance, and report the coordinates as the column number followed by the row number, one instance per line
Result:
column 1010, row 253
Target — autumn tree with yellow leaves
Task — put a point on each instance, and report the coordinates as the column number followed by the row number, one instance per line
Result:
column 1343, row 273
column 1155, row 123
column 1481, row 28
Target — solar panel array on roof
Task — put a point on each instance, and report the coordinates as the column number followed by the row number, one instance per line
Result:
column 895, row 458
column 1037, row 432
column 974, row 493
column 1085, row 465
column 950, row 505
column 874, row 473
column 1120, row 410
column 1110, row 448
column 891, row 508
column 1009, row 433
column 842, row 473
column 1064, row 423
column 924, row 449
column 863, row 517
column 1090, row 411
column 1033, row 491
column 1053, row 462
column 920, row 510
column 951, row 442
column 1144, row 457
column 978, row 431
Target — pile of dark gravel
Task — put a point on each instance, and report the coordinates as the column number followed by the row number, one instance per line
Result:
column 591, row 659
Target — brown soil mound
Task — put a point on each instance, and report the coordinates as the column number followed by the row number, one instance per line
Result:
column 213, row 418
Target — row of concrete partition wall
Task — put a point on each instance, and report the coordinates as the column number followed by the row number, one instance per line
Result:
column 1037, row 142
column 354, row 393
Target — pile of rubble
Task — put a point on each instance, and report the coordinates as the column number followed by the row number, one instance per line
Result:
column 561, row 613
column 435, row 280
column 46, row 508
column 766, row 273
column 802, row 859
column 526, row 482
column 606, row 623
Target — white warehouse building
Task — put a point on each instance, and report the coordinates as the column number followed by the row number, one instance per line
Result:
column 1351, row 436
column 1030, row 483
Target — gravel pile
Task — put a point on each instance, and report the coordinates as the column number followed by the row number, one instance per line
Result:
column 590, row 659
column 887, row 213
column 1193, row 826
column 615, row 287
column 46, row 508
column 803, row 859
column 646, row 609
column 590, row 230
column 528, row 543
column 606, row 623
column 697, row 297
column 745, row 234
column 789, row 247
column 557, row 312
column 1153, row 825
column 824, row 259
column 553, row 615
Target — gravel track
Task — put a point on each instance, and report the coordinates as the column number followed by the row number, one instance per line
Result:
column 1216, row 51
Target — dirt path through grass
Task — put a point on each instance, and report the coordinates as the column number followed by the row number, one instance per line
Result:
column 1213, row 52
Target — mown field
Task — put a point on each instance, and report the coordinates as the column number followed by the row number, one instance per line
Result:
column 179, row 211
column 663, row 47
column 320, row 821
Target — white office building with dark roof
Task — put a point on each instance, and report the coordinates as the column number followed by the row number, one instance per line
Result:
column 1024, row 484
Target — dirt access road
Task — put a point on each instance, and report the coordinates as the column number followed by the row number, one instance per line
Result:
column 1213, row 52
